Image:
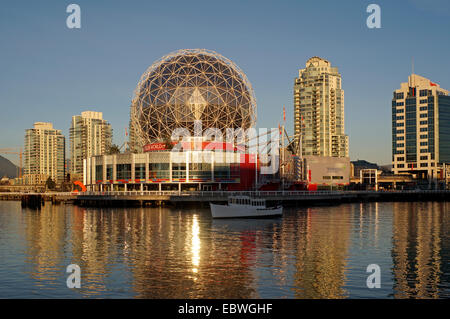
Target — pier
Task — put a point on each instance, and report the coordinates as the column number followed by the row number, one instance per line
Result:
column 176, row 198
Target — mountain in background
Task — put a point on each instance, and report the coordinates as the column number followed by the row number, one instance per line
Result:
column 7, row 168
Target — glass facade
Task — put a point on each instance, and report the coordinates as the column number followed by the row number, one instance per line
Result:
column 162, row 167
column 425, row 130
column 431, row 127
column 139, row 171
column 159, row 171
column 178, row 170
column 221, row 171
column 200, row 171
column 394, row 128
column 109, row 172
column 99, row 172
column 410, row 128
column 444, row 128
column 123, row 171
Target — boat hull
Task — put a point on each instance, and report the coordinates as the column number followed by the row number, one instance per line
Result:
column 224, row 211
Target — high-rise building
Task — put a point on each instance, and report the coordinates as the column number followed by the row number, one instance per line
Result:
column 90, row 135
column 420, row 127
column 319, row 110
column 44, row 154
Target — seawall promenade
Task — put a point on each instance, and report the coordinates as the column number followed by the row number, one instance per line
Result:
column 161, row 198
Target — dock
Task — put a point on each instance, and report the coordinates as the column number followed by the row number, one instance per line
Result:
column 176, row 198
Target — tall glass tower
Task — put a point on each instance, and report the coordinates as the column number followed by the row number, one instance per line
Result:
column 319, row 110
column 420, row 127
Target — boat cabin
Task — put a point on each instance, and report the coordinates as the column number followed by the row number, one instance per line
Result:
column 246, row 201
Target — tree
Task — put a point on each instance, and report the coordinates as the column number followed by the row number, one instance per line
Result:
column 168, row 143
column 113, row 149
column 50, row 184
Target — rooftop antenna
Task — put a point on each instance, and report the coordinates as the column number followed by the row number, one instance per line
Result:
column 410, row 79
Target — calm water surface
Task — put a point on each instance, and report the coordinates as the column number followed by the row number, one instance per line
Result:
column 318, row 252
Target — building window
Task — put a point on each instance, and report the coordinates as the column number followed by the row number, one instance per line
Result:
column 139, row 171
column 178, row 170
column 423, row 93
column 423, row 129
column 423, row 115
column 400, row 159
column 423, row 164
column 424, row 158
column 423, row 136
column 399, row 96
column 400, row 117
column 423, row 150
column 400, row 104
column 99, row 172
column 159, row 170
column 400, row 165
column 423, row 122
column 400, row 138
column 109, row 172
column 200, row 171
column 123, row 171
column 221, row 170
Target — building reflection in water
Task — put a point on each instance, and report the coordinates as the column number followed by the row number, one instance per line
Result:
column 174, row 253
column 195, row 245
column 322, row 249
column 420, row 239
column 45, row 232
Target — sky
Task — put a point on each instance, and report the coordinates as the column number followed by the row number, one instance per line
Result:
column 48, row 72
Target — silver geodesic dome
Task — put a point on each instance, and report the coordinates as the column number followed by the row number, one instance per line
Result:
column 189, row 85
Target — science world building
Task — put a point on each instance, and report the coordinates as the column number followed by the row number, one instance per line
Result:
column 180, row 112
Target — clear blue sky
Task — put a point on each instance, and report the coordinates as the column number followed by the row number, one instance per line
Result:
column 49, row 72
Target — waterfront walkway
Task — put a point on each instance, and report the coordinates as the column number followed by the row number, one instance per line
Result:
column 111, row 198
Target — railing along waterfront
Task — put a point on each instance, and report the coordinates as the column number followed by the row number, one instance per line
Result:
column 223, row 193
column 211, row 193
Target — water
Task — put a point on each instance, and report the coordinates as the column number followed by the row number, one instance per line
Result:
column 318, row 252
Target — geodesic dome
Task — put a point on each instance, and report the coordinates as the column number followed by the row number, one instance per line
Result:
column 189, row 85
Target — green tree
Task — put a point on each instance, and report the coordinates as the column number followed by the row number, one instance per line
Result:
column 113, row 149
column 168, row 143
column 50, row 184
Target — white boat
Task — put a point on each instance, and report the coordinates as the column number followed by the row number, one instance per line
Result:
column 245, row 207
